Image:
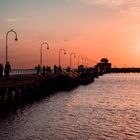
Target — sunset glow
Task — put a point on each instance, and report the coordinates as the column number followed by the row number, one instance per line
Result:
column 91, row 28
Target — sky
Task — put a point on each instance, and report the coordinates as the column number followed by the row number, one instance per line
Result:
column 91, row 28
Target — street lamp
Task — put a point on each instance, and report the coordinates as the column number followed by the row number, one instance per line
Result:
column 80, row 56
column 60, row 53
column 91, row 62
column 95, row 63
column 71, row 57
column 86, row 63
column 44, row 43
column 7, row 42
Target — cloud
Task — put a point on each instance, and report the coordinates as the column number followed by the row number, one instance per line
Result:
column 11, row 19
column 127, row 7
column 131, row 11
column 127, row 28
column 104, row 2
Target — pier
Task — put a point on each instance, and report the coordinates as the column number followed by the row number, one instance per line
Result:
column 22, row 85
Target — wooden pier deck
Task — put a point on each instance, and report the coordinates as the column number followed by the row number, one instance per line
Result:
column 23, row 80
column 31, row 85
column 20, row 86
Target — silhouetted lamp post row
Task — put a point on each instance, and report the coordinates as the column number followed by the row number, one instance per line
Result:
column 91, row 62
column 60, row 50
column 7, row 42
column 87, row 61
column 41, row 46
column 71, row 57
column 47, row 46
column 80, row 56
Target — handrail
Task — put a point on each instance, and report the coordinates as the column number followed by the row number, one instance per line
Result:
column 34, row 71
column 22, row 71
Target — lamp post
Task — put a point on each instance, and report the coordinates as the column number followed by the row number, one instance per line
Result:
column 86, row 63
column 80, row 56
column 71, row 58
column 91, row 62
column 7, row 42
column 60, row 50
column 85, row 60
column 41, row 46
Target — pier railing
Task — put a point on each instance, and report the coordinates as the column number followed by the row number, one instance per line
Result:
column 15, row 72
column 28, row 71
column 22, row 71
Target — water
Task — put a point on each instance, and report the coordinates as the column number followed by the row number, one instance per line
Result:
column 107, row 109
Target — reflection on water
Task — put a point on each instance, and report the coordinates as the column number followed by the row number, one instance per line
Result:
column 108, row 109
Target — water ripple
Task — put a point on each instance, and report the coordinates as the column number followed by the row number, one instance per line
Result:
column 107, row 109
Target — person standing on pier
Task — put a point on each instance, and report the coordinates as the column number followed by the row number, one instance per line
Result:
column 59, row 69
column 68, row 69
column 44, row 70
column 38, row 68
column 55, row 69
column 7, row 69
column 49, row 69
column 1, row 70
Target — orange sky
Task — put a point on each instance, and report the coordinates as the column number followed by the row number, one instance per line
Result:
column 91, row 28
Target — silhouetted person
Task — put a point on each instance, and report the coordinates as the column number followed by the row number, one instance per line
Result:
column 55, row 69
column 38, row 69
column 49, row 69
column 1, row 70
column 7, row 69
column 68, row 69
column 44, row 70
column 59, row 69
